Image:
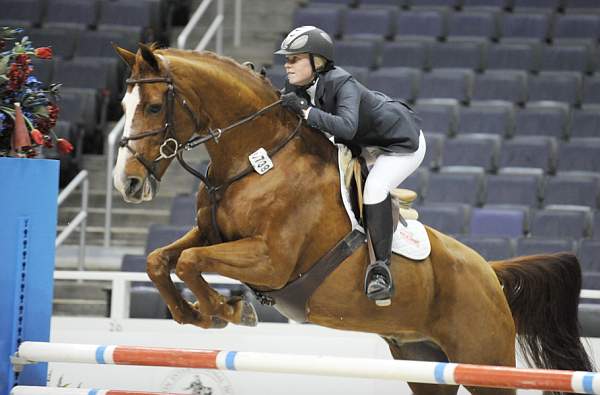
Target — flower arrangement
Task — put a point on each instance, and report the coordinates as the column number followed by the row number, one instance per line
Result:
column 28, row 111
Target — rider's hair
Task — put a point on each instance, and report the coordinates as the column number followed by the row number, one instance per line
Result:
column 320, row 62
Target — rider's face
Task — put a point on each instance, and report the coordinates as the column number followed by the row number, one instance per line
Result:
column 298, row 69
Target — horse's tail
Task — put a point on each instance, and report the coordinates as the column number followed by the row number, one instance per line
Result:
column 543, row 294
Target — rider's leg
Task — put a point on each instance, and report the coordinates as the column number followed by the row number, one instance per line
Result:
column 387, row 173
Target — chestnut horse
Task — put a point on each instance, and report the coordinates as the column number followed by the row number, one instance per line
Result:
column 452, row 306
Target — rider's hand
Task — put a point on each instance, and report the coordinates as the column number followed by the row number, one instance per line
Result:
column 294, row 102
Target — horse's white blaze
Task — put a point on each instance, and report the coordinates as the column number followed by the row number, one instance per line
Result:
column 130, row 102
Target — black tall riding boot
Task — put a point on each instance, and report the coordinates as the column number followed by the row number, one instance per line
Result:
column 378, row 278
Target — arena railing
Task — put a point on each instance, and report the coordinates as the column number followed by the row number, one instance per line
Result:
column 81, row 217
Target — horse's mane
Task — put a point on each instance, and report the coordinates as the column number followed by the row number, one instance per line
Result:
column 246, row 74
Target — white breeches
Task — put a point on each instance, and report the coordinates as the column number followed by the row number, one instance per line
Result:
column 389, row 171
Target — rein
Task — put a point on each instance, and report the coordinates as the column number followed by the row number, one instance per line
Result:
column 170, row 147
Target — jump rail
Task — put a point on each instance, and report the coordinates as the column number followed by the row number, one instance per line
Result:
column 410, row 371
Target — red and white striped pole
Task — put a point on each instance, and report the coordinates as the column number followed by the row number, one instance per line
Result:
column 410, row 371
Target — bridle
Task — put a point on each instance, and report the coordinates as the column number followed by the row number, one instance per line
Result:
column 171, row 147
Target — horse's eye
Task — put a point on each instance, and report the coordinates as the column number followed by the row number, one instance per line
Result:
column 154, row 108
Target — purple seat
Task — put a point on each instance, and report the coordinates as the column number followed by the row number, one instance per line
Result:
column 438, row 115
column 327, row 19
column 398, row 83
column 525, row 26
column 497, row 222
column 542, row 119
column 509, row 189
column 581, row 155
column 530, row 152
column 537, row 245
column 421, row 24
column 491, row 248
column 491, row 117
column 507, row 85
column 367, row 23
column 561, row 224
column 356, row 53
column 447, row 84
column 572, row 189
column 472, row 150
column 464, row 188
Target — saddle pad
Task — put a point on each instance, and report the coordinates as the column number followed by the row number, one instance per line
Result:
column 411, row 241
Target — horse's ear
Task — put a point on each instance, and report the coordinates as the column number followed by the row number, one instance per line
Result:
column 128, row 57
column 149, row 57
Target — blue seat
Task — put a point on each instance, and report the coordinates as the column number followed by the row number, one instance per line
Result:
column 464, row 188
column 472, row 150
column 589, row 255
column 522, row 190
column 556, row 86
column 512, row 56
column 596, row 226
column 449, row 219
column 574, row 57
column 183, row 211
column 591, row 90
column 447, row 84
column 456, row 54
column 420, row 24
column 135, row 263
column 580, row 6
column 404, row 53
column 327, row 19
column 398, row 83
column 493, row 5
column 382, row 3
column 333, row 2
column 160, row 235
column 585, row 122
column 507, row 85
column 473, row 25
column 525, row 26
column 536, row 245
column 438, row 115
column 43, row 70
column 356, row 53
column 491, row 248
column 531, row 152
column 433, row 155
column 576, row 27
column 277, row 76
column 542, row 119
column 371, row 24
column 535, row 5
column 437, row 4
column 146, row 302
column 561, row 224
column 359, row 73
column 497, row 222
column 493, row 117
column 21, row 13
column 572, row 189
column 80, row 107
column 62, row 41
column 133, row 17
column 71, row 14
column 417, row 182
column 582, row 155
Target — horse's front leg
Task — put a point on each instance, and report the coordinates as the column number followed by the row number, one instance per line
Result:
column 160, row 263
column 246, row 260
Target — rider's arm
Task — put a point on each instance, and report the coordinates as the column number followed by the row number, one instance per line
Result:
column 343, row 123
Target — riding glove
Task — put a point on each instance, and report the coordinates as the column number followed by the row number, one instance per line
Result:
column 294, row 102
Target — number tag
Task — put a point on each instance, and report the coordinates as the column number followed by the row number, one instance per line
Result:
column 260, row 161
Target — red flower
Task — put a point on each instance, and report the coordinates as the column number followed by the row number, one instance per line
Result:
column 64, row 146
column 53, row 110
column 43, row 52
column 48, row 142
column 37, row 136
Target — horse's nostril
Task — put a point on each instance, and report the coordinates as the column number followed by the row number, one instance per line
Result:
column 134, row 185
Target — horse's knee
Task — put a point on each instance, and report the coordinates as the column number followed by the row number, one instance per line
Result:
column 156, row 265
column 185, row 265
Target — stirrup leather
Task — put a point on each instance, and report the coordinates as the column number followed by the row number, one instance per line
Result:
column 379, row 268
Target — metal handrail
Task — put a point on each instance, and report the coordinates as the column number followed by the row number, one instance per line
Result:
column 81, row 217
column 215, row 27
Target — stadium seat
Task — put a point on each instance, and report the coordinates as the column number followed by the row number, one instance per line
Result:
column 581, row 155
column 464, row 188
column 133, row 17
column 328, row 19
column 580, row 6
column 572, row 190
column 447, row 84
column 542, row 119
column 591, row 90
column 585, row 122
column 512, row 56
column 456, row 54
column 135, row 263
column 146, row 302
column 382, row 3
column 589, row 255
column 397, row 83
column 417, row 182
column 21, row 13
column 160, row 235
column 80, row 106
column 498, row 222
column 43, row 70
column 519, row 190
column 356, row 53
column 488, row 117
column 404, row 53
column 450, row 219
column 596, row 226
column 359, row 73
column 536, row 245
column 438, row 115
column 525, row 26
column 420, row 24
column 332, row 2
column 566, row 58
column 183, row 211
column 490, row 248
column 472, row 25
column 536, row 5
column 561, row 224
column 557, row 86
column 433, row 155
column 62, row 41
column 576, row 27
column 492, row 5
column 71, row 14
column 507, row 85
column 369, row 24
column 471, row 150
column 441, row 4
column 277, row 76
column 530, row 152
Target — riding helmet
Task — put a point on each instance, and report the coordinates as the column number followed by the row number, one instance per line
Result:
column 307, row 39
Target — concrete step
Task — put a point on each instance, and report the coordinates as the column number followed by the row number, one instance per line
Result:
column 120, row 216
column 131, row 236
column 80, row 299
column 97, row 198
column 96, row 257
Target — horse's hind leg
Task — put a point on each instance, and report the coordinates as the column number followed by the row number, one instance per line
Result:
column 421, row 351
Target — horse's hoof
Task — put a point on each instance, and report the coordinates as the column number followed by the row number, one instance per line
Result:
column 218, row 323
column 249, row 317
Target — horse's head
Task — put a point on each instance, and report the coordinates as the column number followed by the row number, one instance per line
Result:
column 158, row 120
